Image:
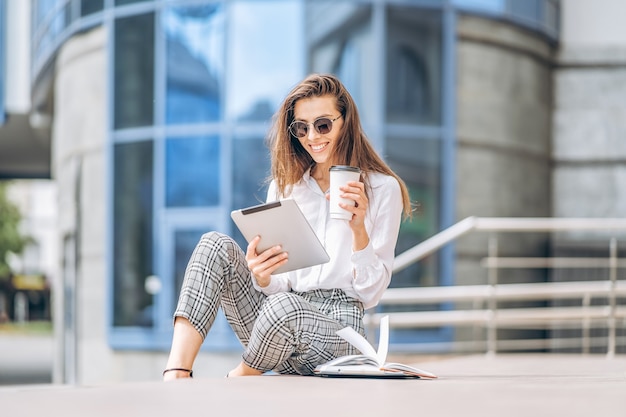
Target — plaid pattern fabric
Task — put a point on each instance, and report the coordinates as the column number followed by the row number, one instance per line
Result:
column 217, row 275
column 295, row 332
column 290, row 332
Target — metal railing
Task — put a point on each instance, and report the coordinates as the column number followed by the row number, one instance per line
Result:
column 581, row 305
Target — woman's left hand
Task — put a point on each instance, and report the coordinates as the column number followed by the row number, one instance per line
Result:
column 355, row 190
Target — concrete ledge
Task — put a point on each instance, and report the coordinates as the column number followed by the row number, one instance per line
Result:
column 520, row 385
column 26, row 359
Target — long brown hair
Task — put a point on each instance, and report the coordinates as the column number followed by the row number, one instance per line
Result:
column 290, row 160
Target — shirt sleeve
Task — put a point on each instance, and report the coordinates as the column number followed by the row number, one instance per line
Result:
column 278, row 283
column 372, row 266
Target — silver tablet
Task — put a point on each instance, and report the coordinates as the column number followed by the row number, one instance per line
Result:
column 282, row 223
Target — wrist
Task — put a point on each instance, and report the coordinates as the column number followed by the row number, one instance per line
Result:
column 261, row 282
column 360, row 240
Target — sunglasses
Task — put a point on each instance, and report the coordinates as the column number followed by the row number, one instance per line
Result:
column 323, row 126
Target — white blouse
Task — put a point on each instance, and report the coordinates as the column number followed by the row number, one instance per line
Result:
column 363, row 274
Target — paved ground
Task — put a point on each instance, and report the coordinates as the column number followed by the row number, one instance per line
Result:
column 508, row 386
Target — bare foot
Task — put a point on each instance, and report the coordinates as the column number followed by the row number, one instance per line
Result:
column 243, row 370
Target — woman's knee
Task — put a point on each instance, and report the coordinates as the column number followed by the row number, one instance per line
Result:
column 218, row 244
column 283, row 305
column 216, row 239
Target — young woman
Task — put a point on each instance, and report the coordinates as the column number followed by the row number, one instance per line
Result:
column 287, row 322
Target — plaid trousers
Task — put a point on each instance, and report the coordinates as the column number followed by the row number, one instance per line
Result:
column 289, row 332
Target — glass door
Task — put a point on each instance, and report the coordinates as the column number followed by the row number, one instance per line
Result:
column 180, row 235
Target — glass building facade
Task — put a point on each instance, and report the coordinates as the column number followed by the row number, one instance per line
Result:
column 194, row 85
column 2, row 60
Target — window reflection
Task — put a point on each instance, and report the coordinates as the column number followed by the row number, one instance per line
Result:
column 490, row 5
column 59, row 22
column 192, row 171
column 417, row 162
column 249, row 185
column 343, row 46
column 133, row 236
column 528, row 9
column 195, row 63
column 90, row 6
column 42, row 8
column 134, row 71
column 68, row 15
column 413, row 66
column 123, row 2
column 2, row 60
column 266, row 55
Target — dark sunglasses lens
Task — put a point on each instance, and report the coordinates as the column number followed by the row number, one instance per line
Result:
column 323, row 125
column 298, row 129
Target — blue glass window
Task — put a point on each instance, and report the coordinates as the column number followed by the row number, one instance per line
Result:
column 192, row 171
column 413, row 100
column 345, row 49
column 249, row 184
column 134, row 71
column 195, row 63
column 88, row 7
column 418, row 162
column 132, row 234
column 413, row 66
column 2, row 64
column 487, row 5
column 266, row 42
column 42, row 8
column 531, row 10
column 123, row 2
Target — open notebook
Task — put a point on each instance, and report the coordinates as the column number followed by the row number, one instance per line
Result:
column 370, row 363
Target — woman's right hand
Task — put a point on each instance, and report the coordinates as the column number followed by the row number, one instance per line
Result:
column 264, row 264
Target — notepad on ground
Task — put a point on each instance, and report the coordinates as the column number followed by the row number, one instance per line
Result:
column 370, row 363
column 282, row 223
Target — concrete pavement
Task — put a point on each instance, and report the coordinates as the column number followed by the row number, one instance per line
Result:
column 511, row 386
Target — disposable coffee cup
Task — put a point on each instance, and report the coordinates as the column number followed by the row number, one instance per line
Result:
column 340, row 175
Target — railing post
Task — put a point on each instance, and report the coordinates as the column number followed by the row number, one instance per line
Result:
column 493, row 281
column 612, row 302
column 586, row 323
